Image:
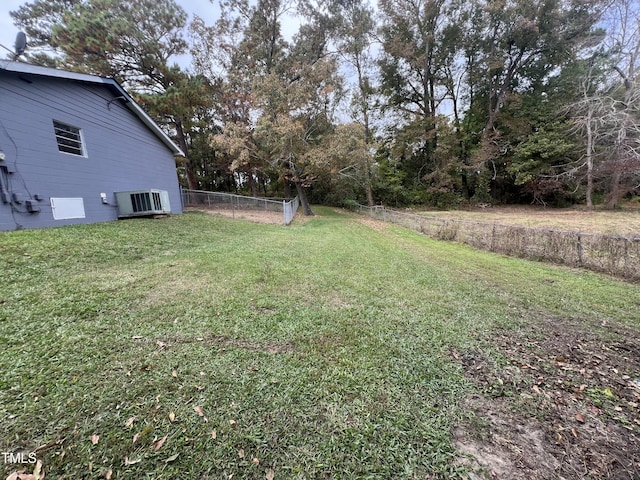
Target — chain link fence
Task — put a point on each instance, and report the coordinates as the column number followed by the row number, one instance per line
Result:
column 612, row 254
column 237, row 204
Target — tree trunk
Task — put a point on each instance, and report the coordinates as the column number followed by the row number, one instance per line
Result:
column 367, row 129
column 192, row 183
column 615, row 191
column 287, row 189
column 589, row 192
column 369, row 192
column 304, row 202
column 252, row 183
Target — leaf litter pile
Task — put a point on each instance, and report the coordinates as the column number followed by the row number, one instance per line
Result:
column 559, row 400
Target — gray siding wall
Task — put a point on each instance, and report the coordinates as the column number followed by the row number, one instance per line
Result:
column 121, row 152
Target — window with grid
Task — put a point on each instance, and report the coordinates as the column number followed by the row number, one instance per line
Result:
column 69, row 138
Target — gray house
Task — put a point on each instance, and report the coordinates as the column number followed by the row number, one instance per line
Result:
column 76, row 148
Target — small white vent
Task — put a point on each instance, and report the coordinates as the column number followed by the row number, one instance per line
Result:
column 142, row 203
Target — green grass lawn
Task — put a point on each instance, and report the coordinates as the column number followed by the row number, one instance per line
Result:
column 201, row 347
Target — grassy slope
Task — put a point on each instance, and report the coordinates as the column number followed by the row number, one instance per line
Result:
column 314, row 351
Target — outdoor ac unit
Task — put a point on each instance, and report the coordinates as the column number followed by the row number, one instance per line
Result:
column 140, row 203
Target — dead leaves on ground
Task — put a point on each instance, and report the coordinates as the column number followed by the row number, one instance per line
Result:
column 158, row 445
column 146, row 439
column 579, row 382
column 38, row 473
column 248, row 459
column 200, row 413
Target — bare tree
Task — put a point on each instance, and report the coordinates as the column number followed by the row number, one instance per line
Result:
column 621, row 116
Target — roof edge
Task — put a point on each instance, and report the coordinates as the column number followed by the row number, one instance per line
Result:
column 27, row 68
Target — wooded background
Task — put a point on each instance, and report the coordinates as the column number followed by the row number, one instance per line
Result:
column 437, row 102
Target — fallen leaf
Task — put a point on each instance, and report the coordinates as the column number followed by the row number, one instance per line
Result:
column 94, row 439
column 130, row 422
column 109, row 474
column 26, row 476
column 174, row 374
column 580, row 417
column 199, row 411
column 536, row 389
column 160, row 443
column 456, row 356
column 214, row 435
column 171, row 458
column 128, row 462
column 574, row 432
column 172, row 417
column 241, row 453
column 38, row 472
column 135, row 437
column 232, row 423
column 270, row 474
column 256, row 461
column 160, row 343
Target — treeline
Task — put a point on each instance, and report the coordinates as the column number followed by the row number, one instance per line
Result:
column 437, row 102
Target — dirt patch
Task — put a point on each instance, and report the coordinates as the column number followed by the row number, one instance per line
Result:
column 558, row 400
column 377, row 225
column 374, row 224
column 257, row 216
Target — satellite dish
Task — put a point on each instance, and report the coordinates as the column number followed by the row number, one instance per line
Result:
column 21, row 45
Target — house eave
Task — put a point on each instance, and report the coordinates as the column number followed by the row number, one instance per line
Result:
column 28, row 69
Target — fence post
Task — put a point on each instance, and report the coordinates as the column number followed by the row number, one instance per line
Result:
column 493, row 238
column 579, row 249
column 284, row 211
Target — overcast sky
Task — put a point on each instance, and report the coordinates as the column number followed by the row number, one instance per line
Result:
column 202, row 8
